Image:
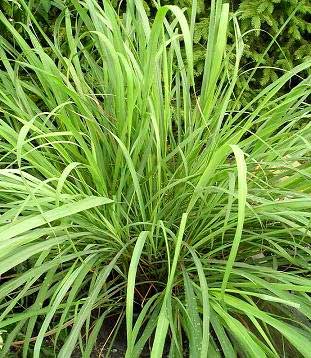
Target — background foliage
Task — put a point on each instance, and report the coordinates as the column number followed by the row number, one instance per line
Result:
column 262, row 18
column 261, row 22
column 288, row 22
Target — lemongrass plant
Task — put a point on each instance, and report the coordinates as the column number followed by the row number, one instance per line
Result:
column 128, row 190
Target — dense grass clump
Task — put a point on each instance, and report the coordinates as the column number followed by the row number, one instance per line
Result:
column 127, row 191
